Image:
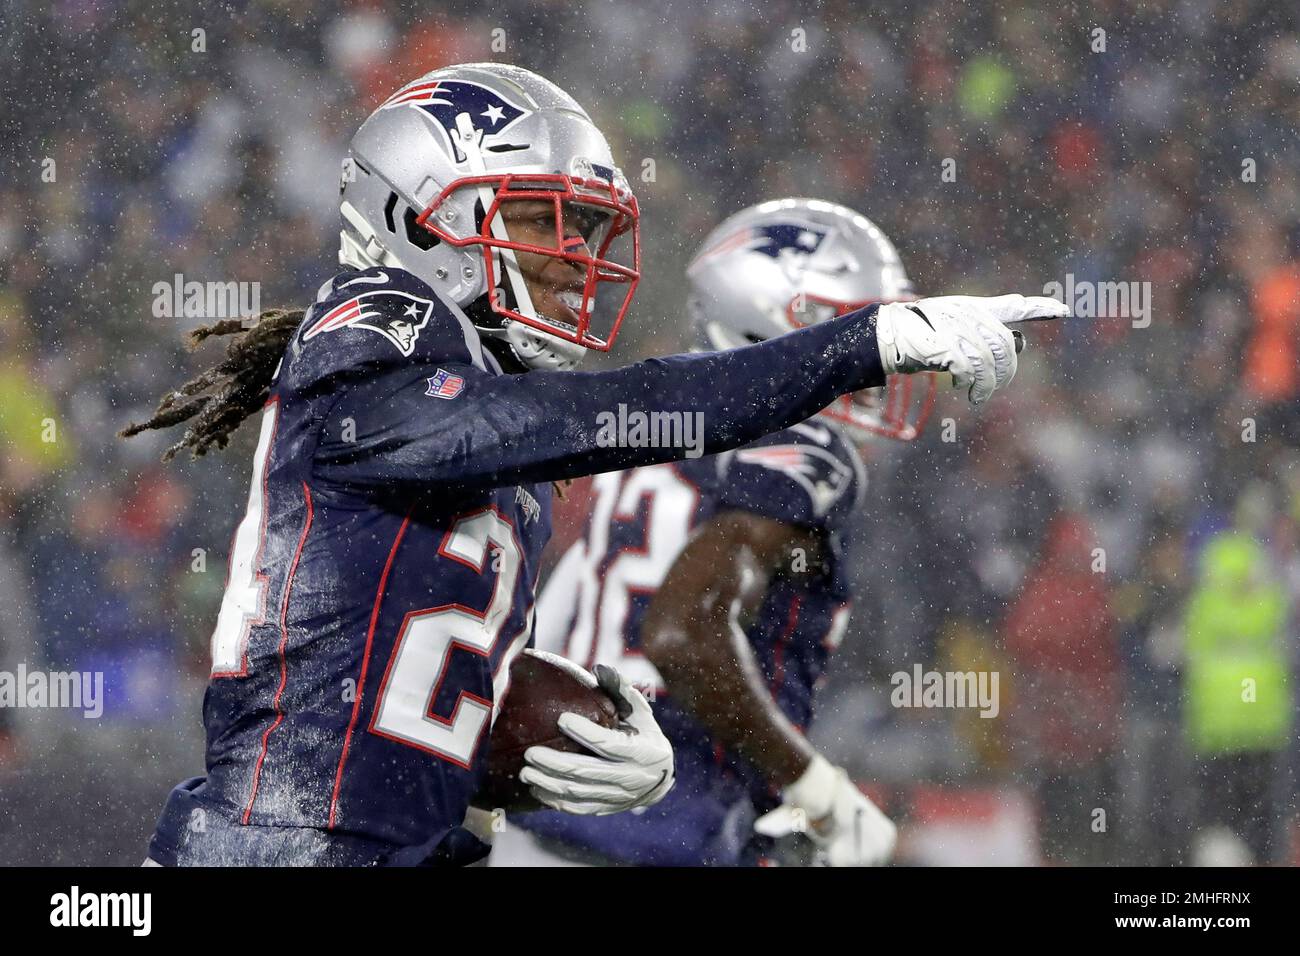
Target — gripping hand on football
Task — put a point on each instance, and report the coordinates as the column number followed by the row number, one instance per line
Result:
column 628, row 766
column 824, row 805
column 965, row 335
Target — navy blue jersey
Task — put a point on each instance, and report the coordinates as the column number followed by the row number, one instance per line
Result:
column 592, row 606
column 382, row 578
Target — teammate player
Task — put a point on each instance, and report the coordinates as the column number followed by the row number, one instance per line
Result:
column 720, row 583
column 382, row 578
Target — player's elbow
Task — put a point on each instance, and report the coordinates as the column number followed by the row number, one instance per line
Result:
column 675, row 635
column 663, row 640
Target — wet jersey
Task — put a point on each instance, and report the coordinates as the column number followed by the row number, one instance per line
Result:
column 592, row 606
column 382, row 578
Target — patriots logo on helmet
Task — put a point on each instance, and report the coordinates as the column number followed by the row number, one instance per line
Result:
column 397, row 316
column 444, row 100
column 773, row 240
column 777, row 240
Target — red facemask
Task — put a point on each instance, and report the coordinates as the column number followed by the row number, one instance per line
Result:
column 899, row 409
column 589, row 213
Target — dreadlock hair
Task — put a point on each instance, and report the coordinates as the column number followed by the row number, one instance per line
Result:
column 219, row 399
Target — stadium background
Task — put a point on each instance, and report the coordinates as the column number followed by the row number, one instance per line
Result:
column 1125, row 165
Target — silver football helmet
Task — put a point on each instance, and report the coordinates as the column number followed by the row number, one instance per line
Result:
column 425, row 183
column 788, row 263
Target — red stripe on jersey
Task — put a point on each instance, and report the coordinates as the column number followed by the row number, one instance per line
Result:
column 365, row 663
column 284, row 664
column 778, row 653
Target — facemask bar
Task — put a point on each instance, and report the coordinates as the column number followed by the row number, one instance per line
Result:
column 903, row 394
column 623, row 217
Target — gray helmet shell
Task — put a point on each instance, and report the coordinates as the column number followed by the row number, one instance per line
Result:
column 774, row 267
column 787, row 263
column 476, row 119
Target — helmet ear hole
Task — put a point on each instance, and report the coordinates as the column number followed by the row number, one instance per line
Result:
column 388, row 213
column 416, row 235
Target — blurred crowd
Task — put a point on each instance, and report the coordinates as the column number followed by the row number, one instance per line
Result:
column 1118, row 537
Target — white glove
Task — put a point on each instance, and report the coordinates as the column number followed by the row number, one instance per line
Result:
column 824, row 805
column 629, row 766
column 963, row 334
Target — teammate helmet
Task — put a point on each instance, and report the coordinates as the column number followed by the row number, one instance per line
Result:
column 787, row 263
column 425, row 183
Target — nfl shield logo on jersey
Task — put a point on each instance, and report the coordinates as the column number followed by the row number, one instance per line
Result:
column 443, row 384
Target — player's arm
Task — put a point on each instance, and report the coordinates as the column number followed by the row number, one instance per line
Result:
column 548, row 426
column 545, row 426
column 692, row 633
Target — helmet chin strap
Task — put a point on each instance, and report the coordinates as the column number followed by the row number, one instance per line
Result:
column 536, row 349
column 530, row 348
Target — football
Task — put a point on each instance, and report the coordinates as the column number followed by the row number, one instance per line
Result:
column 539, row 693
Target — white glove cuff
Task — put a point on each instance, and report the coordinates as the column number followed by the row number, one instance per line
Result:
column 887, row 336
column 814, row 791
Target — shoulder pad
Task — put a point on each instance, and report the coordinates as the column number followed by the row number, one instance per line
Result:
column 805, row 474
column 370, row 320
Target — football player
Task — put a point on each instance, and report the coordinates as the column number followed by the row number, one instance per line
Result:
column 719, row 584
column 413, row 418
